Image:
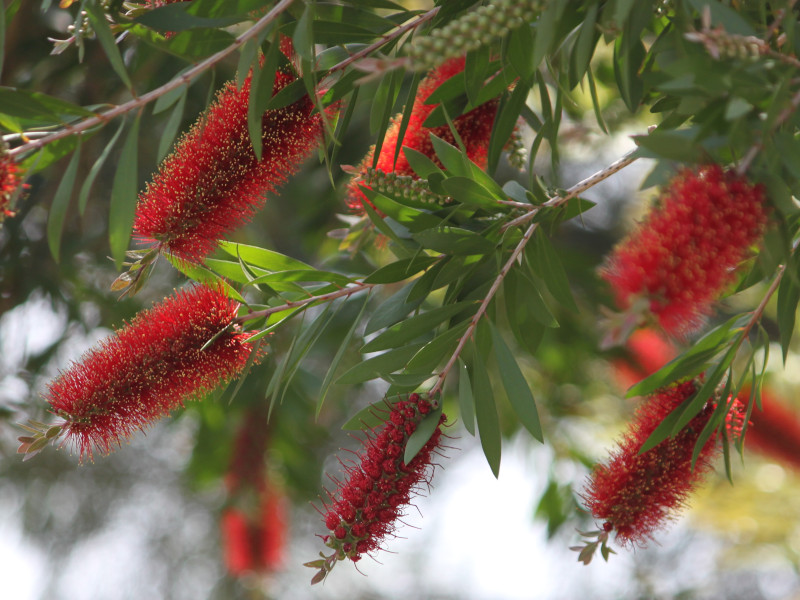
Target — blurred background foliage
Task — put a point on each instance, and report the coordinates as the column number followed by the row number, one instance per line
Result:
column 154, row 508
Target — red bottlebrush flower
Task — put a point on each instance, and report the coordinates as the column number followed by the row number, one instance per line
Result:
column 636, row 493
column 367, row 505
column 237, row 549
column 148, row 368
column 212, row 182
column 474, row 128
column 10, row 183
column 775, row 430
column 684, row 254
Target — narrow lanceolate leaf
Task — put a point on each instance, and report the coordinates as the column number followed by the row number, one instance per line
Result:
column 86, row 188
column 506, row 121
column 788, row 297
column 423, row 432
column 106, row 39
column 171, row 126
column 58, row 210
column 374, row 367
column 519, row 394
column 123, row 196
column 486, row 413
column 337, row 359
column 545, row 262
column 466, row 402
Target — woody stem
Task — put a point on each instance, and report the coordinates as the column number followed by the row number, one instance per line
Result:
column 139, row 101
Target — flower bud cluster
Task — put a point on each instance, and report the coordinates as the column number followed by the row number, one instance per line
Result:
column 685, row 253
column 404, row 185
column 722, row 45
column 471, row 31
column 367, row 505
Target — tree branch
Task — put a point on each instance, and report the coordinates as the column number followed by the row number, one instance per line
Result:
column 184, row 79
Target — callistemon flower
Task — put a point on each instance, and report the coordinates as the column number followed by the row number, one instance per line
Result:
column 474, row 128
column 178, row 350
column 683, row 256
column 367, row 505
column 10, row 183
column 213, row 182
column 635, row 494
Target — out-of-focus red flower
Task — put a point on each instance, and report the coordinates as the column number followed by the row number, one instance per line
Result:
column 148, row 368
column 474, row 128
column 212, row 183
column 775, row 430
column 255, row 543
column 648, row 352
column 635, row 494
column 683, row 256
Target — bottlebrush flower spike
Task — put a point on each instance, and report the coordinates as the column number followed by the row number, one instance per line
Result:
column 684, row 254
column 10, row 183
column 366, row 506
column 636, row 493
column 212, row 182
column 474, row 128
column 178, row 350
column 255, row 543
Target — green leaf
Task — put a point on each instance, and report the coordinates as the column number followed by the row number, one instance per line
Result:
column 83, row 196
column 401, row 270
column 672, row 145
column 123, row 196
column 261, row 86
column 337, row 359
column 269, row 260
column 466, row 402
column 414, row 327
column 171, row 127
column 470, row 192
column 486, row 413
column 411, row 218
column 374, row 367
column 198, row 43
column 203, row 275
column 454, row 240
column 476, row 68
column 303, row 38
column 107, row 41
column 432, row 353
column 422, row 434
column 402, row 248
column 423, row 166
column 173, row 17
column 519, row 53
column 58, row 210
column 392, row 310
column 544, row 261
column 629, row 54
column 519, row 394
column 507, row 115
column 692, row 362
column 724, row 16
column 788, row 297
column 452, row 158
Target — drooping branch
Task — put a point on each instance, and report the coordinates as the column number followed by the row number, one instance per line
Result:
column 139, row 101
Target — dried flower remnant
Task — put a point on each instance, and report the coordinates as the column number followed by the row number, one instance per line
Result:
column 683, row 256
column 10, row 183
column 367, row 505
column 474, row 128
column 178, row 350
column 635, row 494
column 213, row 182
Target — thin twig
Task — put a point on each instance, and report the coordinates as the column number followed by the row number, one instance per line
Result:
column 184, row 79
column 385, row 39
column 575, row 190
column 347, row 291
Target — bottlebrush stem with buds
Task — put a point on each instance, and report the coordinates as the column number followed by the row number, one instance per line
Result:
column 367, row 505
